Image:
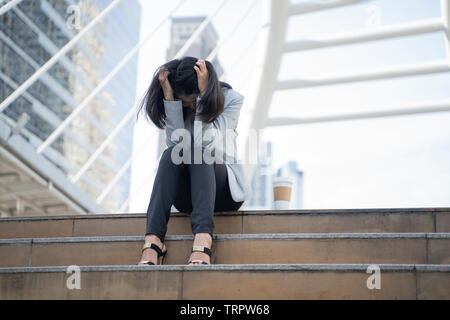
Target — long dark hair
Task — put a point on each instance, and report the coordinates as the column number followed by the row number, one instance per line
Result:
column 183, row 80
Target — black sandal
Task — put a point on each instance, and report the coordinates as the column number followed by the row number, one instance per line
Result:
column 158, row 251
column 200, row 249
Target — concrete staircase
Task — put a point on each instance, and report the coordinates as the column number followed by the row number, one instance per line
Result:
column 306, row 254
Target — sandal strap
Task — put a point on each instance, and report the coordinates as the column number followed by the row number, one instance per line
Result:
column 201, row 249
column 147, row 262
column 154, row 247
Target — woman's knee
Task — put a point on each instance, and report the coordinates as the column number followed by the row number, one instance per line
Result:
column 166, row 157
column 179, row 156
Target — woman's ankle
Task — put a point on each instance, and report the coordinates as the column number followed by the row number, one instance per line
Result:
column 153, row 238
column 203, row 239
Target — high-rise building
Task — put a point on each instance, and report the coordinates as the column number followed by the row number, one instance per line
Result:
column 262, row 187
column 30, row 34
column 182, row 29
column 261, row 182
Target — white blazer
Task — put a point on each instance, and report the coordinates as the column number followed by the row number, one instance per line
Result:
column 221, row 137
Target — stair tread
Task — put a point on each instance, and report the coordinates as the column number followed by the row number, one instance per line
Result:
column 264, row 254
column 236, row 222
column 240, row 267
column 219, row 237
column 240, row 212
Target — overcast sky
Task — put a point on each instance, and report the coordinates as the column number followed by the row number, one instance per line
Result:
column 390, row 162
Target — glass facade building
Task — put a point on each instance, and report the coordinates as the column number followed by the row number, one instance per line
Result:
column 30, row 34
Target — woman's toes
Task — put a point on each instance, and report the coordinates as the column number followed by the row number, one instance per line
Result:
column 199, row 256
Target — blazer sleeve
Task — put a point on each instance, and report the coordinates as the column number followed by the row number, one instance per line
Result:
column 228, row 119
column 174, row 119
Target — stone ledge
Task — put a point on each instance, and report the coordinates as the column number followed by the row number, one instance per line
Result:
column 223, row 237
column 382, row 211
column 239, row 268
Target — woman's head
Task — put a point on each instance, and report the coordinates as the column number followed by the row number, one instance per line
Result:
column 183, row 80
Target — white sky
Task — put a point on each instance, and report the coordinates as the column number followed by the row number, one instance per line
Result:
column 392, row 162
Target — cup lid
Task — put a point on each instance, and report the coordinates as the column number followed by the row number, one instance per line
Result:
column 282, row 180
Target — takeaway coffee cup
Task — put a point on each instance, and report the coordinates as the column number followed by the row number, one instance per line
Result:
column 282, row 189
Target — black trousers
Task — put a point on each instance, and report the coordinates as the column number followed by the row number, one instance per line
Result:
column 198, row 189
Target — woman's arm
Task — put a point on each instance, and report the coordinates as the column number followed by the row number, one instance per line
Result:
column 173, row 109
column 227, row 120
column 174, row 119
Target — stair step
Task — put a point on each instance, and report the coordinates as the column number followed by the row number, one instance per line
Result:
column 411, row 248
column 240, row 222
column 221, row 281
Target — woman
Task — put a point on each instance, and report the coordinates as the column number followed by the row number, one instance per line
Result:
column 185, row 94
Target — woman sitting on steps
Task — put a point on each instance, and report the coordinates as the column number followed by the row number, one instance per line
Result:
column 185, row 94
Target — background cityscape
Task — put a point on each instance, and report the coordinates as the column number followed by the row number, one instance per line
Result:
column 69, row 139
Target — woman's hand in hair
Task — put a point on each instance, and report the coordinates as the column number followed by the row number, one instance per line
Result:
column 165, row 84
column 202, row 76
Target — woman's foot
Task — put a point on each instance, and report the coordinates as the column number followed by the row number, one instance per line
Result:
column 205, row 240
column 150, row 254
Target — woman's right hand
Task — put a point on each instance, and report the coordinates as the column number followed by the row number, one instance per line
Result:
column 165, row 84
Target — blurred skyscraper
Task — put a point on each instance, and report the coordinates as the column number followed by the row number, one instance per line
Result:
column 30, row 34
column 182, row 29
column 262, row 197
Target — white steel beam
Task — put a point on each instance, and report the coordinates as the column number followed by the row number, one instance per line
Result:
column 385, row 32
column 55, row 134
column 272, row 36
column 386, row 73
column 29, row 82
column 308, row 6
column 239, row 59
column 52, row 49
column 20, row 206
column 54, row 120
column 409, row 109
column 21, row 188
column 102, row 147
column 213, row 53
column 48, row 184
column 445, row 7
column 115, row 180
column 125, row 204
column 139, row 189
column 9, row 6
column 122, row 170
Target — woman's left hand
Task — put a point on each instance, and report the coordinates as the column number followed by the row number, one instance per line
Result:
column 202, row 76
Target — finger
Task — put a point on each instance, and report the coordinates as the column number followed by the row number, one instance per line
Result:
column 205, row 69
